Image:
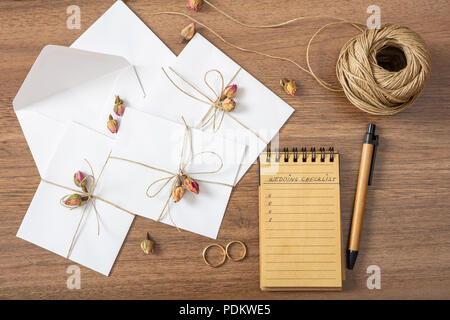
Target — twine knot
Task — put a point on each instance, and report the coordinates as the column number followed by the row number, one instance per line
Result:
column 217, row 104
column 84, row 197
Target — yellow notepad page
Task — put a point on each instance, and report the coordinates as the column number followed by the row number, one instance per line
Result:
column 300, row 223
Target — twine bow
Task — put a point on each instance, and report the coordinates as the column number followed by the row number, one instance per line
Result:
column 175, row 178
column 212, row 115
column 88, row 198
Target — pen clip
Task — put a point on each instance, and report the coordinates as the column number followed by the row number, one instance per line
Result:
column 374, row 154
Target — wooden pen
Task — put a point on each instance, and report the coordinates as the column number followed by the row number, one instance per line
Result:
column 364, row 180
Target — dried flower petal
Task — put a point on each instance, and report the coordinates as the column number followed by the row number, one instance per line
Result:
column 112, row 125
column 119, row 107
column 228, row 105
column 74, row 201
column 230, row 91
column 289, row 86
column 177, row 193
column 194, row 4
column 191, row 185
column 188, row 32
column 79, row 179
column 147, row 245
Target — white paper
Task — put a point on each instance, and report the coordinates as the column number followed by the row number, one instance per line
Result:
column 66, row 85
column 256, row 106
column 158, row 143
column 120, row 32
column 52, row 226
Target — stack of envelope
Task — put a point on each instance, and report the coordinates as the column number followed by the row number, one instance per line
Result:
column 63, row 106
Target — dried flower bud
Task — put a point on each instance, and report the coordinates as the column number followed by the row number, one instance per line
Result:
column 228, row 105
column 177, row 193
column 191, row 185
column 79, row 179
column 74, row 201
column 194, row 4
column 289, row 86
column 147, row 245
column 119, row 107
column 112, row 125
column 230, row 91
column 188, row 32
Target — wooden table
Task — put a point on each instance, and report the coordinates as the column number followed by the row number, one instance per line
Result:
column 406, row 227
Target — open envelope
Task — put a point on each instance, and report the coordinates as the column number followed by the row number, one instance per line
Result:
column 66, row 85
column 155, row 149
column 259, row 113
column 52, row 226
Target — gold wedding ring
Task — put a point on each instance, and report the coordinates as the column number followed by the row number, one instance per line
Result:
column 244, row 253
column 220, row 262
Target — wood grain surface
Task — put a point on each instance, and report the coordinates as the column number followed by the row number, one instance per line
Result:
column 407, row 222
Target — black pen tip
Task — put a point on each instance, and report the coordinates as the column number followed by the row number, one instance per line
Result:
column 351, row 258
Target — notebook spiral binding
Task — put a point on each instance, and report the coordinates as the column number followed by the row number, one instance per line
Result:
column 319, row 156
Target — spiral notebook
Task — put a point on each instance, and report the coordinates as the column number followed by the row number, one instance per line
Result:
column 300, row 222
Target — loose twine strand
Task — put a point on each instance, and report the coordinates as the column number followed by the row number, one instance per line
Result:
column 365, row 83
column 89, row 192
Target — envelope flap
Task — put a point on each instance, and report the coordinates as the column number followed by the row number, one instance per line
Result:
column 59, row 68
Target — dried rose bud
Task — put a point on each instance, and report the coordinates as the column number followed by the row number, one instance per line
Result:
column 147, row 245
column 289, row 86
column 194, row 4
column 228, row 105
column 74, row 201
column 79, row 179
column 119, row 107
column 188, row 32
column 191, row 185
column 177, row 193
column 112, row 125
column 230, row 91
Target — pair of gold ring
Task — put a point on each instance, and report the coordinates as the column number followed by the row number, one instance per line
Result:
column 225, row 252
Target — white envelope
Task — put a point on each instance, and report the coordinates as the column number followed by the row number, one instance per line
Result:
column 66, row 85
column 158, row 143
column 120, row 32
column 258, row 108
column 51, row 226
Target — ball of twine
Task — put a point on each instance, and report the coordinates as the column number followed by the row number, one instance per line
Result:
column 382, row 71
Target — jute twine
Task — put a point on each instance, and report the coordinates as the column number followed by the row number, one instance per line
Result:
column 215, row 108
column 383, row 87
column 381, row 71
